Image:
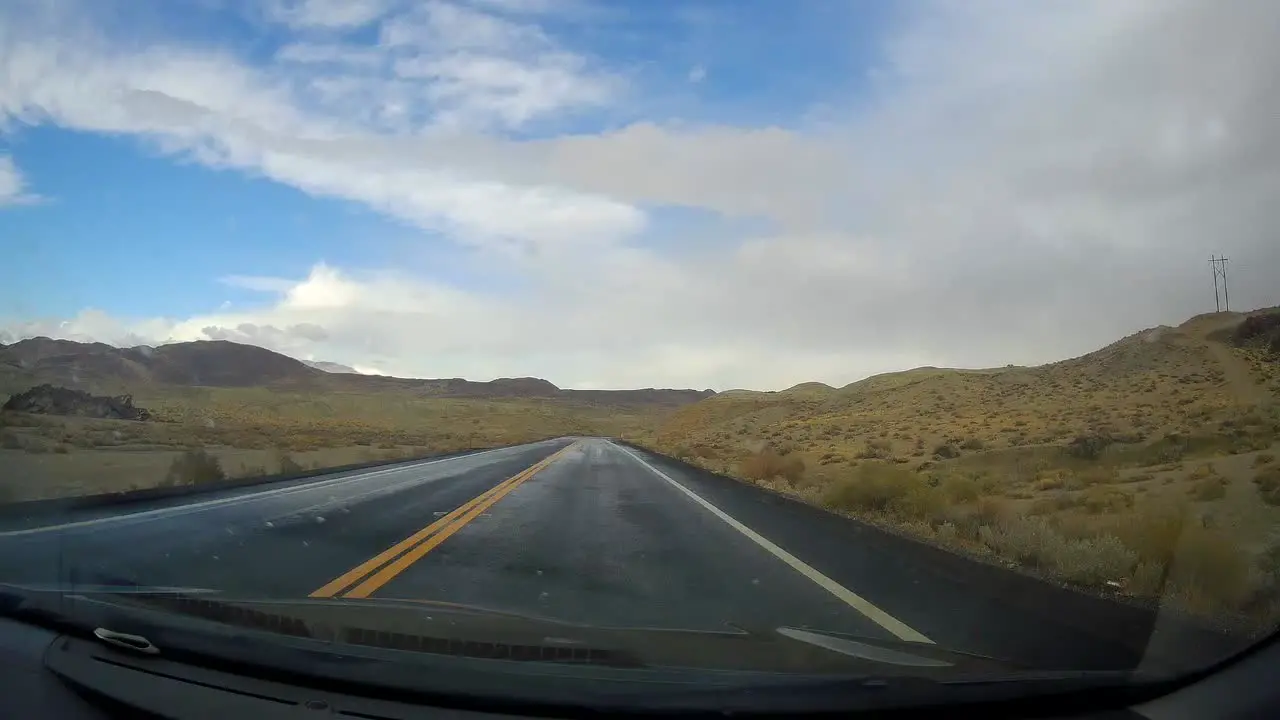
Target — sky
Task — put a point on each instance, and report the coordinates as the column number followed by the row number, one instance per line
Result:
column 704, row 193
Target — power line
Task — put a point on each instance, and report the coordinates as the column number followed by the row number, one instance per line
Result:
column 1223, row 302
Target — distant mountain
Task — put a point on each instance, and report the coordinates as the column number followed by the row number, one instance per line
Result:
column 213, row 363
column 331, row 367
column 220, row 363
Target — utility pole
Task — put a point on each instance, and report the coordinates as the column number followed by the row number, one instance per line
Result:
column 1220, row 271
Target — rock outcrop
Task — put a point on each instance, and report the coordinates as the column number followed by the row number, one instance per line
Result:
column 54, row 400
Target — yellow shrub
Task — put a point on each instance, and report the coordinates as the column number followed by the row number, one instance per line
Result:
column 888, row 488
column 960, row 489
column 767, row 464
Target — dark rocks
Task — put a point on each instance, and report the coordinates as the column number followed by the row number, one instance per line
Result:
column 54, row 400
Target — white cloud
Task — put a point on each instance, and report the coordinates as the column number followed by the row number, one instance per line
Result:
column 330, row 53
column 488, row 69
column 479, row 87
column 1025, row 183
column 329, row 14
column 697, row 74
column 445, row 26
column 12, row 186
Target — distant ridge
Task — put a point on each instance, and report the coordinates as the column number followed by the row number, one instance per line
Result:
column 221, row 363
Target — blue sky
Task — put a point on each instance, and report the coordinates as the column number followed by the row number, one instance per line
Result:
column 119, row 208
column 611, row 194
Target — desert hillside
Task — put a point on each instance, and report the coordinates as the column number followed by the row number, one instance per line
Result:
column 255, row 412
column 1155, row 455
column 1146, row 465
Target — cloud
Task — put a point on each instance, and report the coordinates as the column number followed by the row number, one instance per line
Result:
column 697, row 74
column 215, row 109
column 12, row 186
column 1020, row 184
column 328, row 53
column 329, row 14
column 486, row 68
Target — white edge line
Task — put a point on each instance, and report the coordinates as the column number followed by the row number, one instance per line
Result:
column 900, row 629
column 237, row 499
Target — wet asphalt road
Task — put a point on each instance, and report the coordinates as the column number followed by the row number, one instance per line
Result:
column 582, row 530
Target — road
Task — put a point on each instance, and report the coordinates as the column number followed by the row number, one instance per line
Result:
column 584, row 530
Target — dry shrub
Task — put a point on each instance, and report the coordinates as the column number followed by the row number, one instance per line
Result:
column 768, row 464
column 1035, row 542
column 920, row 503
column 1154, row 532
column 1205, row 566
column 1208, row 489
column 1043, row 506
column 286, row 464
column 705, row 452
column 1147, row 580
column 1268, row 482
column 960, row 489
column 947, row 533
column 1103, row 500
column 992, row 510
column 1263, row 459
column 1097, row 476
column 194, row 467
column 945, row 451
column 1210, row 570
column 1203, row 471
column 884, row 487
column 1051, row 480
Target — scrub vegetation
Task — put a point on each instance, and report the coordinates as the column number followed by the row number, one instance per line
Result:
column 1146, row 469
column 250, row 432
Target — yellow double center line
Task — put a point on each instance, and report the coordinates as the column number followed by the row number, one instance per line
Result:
column 380, row 569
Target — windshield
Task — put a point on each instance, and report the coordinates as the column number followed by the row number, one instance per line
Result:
column 742, row 342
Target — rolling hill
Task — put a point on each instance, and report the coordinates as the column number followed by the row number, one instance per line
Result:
column 1146, row 468
column 222, row 364
column 1160, row 380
